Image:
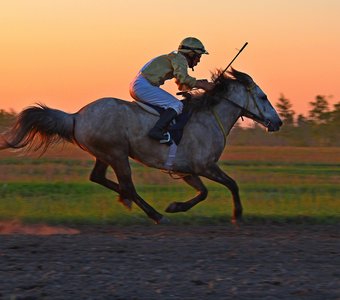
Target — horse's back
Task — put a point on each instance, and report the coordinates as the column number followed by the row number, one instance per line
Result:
column 101, row 119
column 107, row 103
column 111, row 118
column 110, row 125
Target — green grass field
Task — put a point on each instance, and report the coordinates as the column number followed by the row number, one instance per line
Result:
column 298, row 185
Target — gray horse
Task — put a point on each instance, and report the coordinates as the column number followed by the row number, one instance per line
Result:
column 112, row 130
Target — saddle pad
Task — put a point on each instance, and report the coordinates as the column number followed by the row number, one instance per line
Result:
column 147, row 108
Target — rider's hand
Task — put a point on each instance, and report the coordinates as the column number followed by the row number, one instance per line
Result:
column 204, row 84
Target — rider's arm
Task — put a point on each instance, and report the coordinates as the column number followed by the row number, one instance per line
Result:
column 183, row 79
column 180, row 71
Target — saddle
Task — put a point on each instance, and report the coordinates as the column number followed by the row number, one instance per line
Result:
column 176, row 127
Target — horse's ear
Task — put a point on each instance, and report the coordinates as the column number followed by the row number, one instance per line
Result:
column 215, row 75
column 233, row 72
column 240, row 76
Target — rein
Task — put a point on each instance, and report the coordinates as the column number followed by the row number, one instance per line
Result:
column 250, row 91
column 244, row 111
column 219, row 122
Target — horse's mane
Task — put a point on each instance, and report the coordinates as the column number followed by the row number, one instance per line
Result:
column 204, row 100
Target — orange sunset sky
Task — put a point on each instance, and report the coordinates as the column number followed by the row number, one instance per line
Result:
column 67, row 53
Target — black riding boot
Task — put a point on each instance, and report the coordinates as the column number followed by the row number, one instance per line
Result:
column 157, row 132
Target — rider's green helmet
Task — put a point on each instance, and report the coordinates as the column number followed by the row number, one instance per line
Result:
column 192, row 45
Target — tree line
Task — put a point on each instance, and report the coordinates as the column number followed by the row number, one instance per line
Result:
column 6, row 118
column 319, row 128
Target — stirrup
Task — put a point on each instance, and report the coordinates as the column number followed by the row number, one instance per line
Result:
column 166, row 139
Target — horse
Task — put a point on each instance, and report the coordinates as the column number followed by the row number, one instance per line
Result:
column 115, row 130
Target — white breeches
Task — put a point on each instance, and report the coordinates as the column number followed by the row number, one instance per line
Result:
column 142, row 90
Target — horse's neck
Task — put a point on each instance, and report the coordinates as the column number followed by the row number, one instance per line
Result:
column 227, row 114
column 215, row 124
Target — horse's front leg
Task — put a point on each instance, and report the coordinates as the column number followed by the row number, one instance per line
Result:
column 197, row 184
column 214, row 173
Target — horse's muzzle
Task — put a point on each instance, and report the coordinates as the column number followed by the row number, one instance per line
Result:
column 273, row 126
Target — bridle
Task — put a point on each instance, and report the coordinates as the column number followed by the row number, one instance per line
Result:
column 244, row 110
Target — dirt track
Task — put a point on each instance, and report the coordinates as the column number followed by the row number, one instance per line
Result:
column 174, row 262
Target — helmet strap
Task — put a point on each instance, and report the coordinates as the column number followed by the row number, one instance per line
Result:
column 190, row 57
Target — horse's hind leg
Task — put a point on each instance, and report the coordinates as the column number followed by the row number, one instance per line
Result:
column 98, row 175
column 127, row 189
column 196, row 183
column 216, row 174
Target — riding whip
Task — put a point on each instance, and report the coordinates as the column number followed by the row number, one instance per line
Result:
column 233, row 59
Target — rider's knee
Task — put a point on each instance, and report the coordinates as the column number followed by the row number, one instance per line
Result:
column 178, row 107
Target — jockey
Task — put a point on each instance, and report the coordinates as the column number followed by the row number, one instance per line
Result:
column 146, row 85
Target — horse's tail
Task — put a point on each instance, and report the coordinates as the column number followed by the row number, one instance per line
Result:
column 38, row 127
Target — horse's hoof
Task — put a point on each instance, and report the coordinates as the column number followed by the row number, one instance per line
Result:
column 172, row 208
column 237, row 221
column 163, row 221
column 126, row 202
